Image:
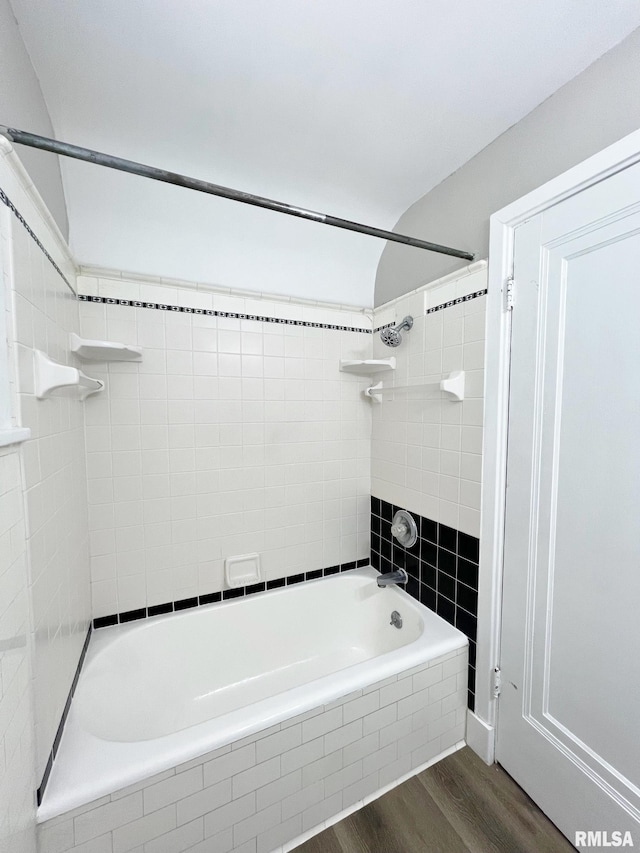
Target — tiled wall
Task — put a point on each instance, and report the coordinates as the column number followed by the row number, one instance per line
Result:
column 17, row 748
column 232, row 435
column 260, row 794
column 45, row 310
column 442, row 568
column 426, row 449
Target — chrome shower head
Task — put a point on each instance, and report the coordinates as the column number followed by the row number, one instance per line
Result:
column 391, row 336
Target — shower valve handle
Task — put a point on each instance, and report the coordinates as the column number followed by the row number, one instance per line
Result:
column 400, row 528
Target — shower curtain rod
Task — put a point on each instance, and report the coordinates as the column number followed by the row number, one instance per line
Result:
column 45, row 143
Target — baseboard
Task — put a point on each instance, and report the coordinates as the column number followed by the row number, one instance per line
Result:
column 296, row 842
column 481, row 737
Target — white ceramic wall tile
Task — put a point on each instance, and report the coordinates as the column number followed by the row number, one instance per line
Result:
column 17, row 747
column 53, row 462
column 232, row 800
column 230, row 436
column 426, row 449
column 44, row 311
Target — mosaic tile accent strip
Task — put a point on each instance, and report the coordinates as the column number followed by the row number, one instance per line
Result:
column 442, row 568
column 159, row 306
column 225, row 595
column 7, row 201
column 457, row 301
column 444, row 305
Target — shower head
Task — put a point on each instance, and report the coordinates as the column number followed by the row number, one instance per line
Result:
column 391, row 336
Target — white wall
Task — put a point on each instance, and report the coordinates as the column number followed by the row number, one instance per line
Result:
column 426, row 448
column 22, row 105
column 45, row 310
column 230, row 436
column 592, row 111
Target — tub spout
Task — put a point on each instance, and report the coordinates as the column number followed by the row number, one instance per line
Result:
column 392, row 577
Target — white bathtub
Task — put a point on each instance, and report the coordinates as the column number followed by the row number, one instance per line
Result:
column 157, row 693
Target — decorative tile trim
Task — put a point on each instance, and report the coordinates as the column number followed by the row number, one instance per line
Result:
column 442, row 568
column 159, row 306
column 63, row 720
column 444, row 305
column 7, row 201
column 225, row 595
column 457, row 301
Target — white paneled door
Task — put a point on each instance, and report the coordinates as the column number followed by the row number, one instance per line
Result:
column 569, row 712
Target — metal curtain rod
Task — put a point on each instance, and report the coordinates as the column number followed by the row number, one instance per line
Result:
column 32, row 140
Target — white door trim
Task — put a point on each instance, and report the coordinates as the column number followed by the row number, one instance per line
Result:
column 616, row 157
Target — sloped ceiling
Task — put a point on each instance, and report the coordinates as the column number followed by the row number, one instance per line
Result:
column 350, row 107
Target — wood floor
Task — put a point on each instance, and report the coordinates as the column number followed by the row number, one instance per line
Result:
column 457, row 806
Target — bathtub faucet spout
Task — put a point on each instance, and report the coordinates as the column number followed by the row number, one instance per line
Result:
column 392, row 577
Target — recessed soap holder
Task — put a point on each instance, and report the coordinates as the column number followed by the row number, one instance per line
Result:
column 242, row 570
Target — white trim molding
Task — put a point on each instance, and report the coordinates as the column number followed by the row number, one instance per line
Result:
column 480, row 737
column 615, row 158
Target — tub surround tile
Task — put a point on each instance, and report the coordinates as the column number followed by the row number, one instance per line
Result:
column 426, row 448
column 17, row 747
column 253, row 441
column 225, row 595
column 442, row 568
column 56, row 742
column 40, row 278
column 263, row 794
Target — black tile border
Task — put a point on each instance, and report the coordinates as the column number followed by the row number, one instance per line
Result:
column 208, row 312
column 4, row 198
column 224, row 595
column 63, row 720
column 442, row 567
column 457, row 301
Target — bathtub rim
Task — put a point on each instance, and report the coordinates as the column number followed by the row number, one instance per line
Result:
column 187, row 745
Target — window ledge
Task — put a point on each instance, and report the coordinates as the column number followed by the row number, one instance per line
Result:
column 14, row 435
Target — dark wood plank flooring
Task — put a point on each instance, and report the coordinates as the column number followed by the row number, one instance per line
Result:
column 457, row 806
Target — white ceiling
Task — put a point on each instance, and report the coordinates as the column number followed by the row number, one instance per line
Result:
column 351, row 107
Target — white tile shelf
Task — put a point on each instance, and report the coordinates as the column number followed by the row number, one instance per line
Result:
column 367, row 366
column 49, row 375
column 90, row 350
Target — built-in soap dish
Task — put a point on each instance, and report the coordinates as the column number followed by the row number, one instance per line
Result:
column 242, row 570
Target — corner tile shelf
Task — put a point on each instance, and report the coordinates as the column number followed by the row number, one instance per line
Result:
column 367, row 366
column 49, row 375
column 453, row 384
column 103, row 350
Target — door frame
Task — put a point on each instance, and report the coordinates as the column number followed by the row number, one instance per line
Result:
column 481, row 724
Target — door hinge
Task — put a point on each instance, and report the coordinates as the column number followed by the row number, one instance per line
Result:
column 508, row 294
column 497, row 682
